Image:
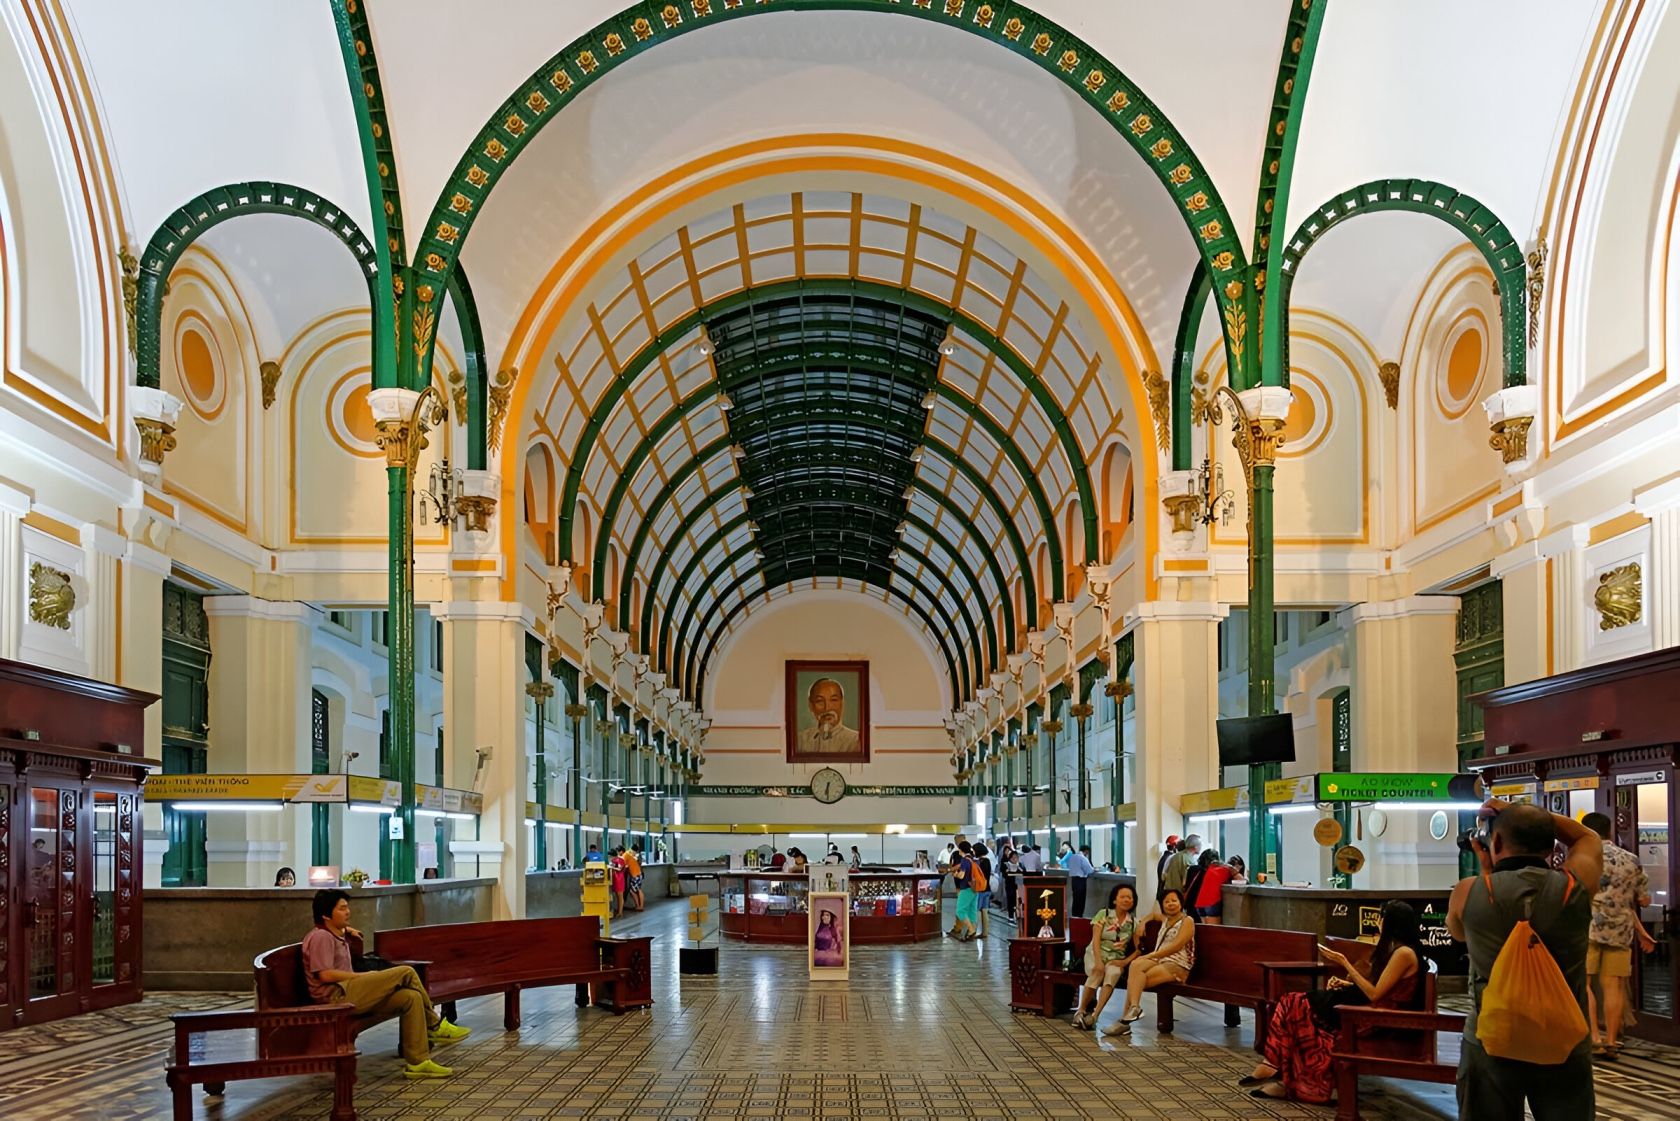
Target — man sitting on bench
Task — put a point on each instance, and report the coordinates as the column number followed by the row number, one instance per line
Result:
column 378, row 995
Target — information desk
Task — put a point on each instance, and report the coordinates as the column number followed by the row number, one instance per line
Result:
column 886, row 906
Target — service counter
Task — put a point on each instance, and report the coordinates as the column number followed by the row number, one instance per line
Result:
column 207, row 937
column 773, row 906
column 559, row 895
column 1350, row 913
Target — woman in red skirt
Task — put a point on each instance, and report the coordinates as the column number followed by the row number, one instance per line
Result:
column 1301, row 1036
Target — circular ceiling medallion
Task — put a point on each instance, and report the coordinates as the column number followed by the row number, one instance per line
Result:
column 349, row 418
column 1462, row 365
column 1309, row 415
column 198, row 363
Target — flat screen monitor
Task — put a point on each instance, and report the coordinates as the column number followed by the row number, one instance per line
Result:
column 1256, row 739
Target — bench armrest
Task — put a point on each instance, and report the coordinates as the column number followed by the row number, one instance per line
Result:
column 334, row 1017
column 1355, row 1017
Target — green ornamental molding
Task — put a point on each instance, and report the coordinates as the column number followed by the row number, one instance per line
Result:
column 221, row 204
column 1491, row 237
column 704, row 791
column 1014, row 26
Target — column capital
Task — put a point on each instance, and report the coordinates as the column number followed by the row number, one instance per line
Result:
column 1510, row 413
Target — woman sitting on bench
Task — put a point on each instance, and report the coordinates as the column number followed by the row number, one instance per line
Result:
column 1169, row 962
column 1113, row 946
column 1301, row 1039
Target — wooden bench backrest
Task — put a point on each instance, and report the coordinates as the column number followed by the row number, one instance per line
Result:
column 1079, row 933
column 281, row 984
column 459, row 953
column 1228, row 957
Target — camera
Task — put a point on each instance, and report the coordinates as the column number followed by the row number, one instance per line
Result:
column 1481, row 831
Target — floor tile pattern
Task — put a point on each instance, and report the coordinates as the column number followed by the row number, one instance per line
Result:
column 919, row 1033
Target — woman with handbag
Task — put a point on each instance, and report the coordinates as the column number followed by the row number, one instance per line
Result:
column 1301, row 1037
column 1113, row 946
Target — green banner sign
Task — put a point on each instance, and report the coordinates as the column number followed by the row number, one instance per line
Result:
column 805, row 791
column 1356, row 787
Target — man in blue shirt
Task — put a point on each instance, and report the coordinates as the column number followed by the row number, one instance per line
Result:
column 1079, row 870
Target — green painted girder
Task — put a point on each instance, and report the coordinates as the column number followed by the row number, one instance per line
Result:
column 951, row 662
column 881, row 292
column 477, row 370
column 220, row 204
column 1460, row 211
column 859, row 572
column 645, row 526
column 959, row 682
column 870, row 574
column 975, row 479
column 1184, row 366
column 1011, row 25
column 983, row 419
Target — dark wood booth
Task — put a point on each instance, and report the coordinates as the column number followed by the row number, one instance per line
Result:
column 1604, row 738
column 71, row 769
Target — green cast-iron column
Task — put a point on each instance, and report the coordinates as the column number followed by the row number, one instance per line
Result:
column 575, row 713
column 399, row 647
column 1081, row 714
column 540, row 692
column 1262, row 826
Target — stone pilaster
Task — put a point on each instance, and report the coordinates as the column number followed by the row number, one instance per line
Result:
column 1662, row 505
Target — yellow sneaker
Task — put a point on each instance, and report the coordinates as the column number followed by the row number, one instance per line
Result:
column 427, row 1069
column 446, row 1032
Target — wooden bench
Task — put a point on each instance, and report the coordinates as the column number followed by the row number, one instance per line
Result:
column 1228, row 969
column 460, row 960
column 323, row 1033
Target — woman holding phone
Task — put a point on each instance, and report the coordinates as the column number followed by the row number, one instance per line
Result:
column 1302, row 1033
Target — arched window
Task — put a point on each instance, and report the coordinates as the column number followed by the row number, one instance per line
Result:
column 539, row 500
column 582, row 548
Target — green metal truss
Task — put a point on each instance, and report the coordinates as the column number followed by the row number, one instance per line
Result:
column 641, row 27
column 872, row 291
column 1184, row 366
column 1460, row 211
column 220, row 204
column 477, row 370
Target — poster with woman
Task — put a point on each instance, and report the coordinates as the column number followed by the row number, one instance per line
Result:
column 829, row 947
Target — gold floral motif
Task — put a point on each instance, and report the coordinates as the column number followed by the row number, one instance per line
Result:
column 446, row 232
column 536, row 102
column 397, row 284
column 1510, row 438
column 425, row 321
column 1236, row 329
column 983, row 15
column 1211, row 231
column 460, row 203
column 1041, row 45
column 1620, row 597
column 731, row 4
column 561, row 81
column 425, row 293
column 614, row 44
column 1197, row 201
column 701, row 8
column 1119, row 101
column 672, row 15
column 1223, row 261
column 130, row 297
column 643, row 30
column 51, row 596
column 1068, row 61
column 500, row 392
column 954, row 8
column 1180, row 175
column 156, row 439
column 514, row 125
column 434, row 262
column 1012, row 30
column 495, row 149
column 1161, row 149
column 1141, row 124
column 586, row 62
column 1160, row 405
column 458, row 392
column 1536, row 286
column 270, row 373
column 477, row 176
column 1095, row 81
column 1389, row 374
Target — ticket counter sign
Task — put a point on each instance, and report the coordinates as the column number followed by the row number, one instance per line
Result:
column 247, row 788
column 1214, row 801
column 1298, row 789
column 385, row 792
column 1377, row 787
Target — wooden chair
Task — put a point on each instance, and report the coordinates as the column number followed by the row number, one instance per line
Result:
column 318, row 1042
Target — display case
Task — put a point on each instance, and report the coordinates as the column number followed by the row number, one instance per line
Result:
column 886, row 906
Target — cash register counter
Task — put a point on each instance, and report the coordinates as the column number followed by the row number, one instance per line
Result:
column 775, row 906
column 1351, row 913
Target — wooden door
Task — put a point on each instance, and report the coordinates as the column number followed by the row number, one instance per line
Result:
column 46, row 859
column 10, row 972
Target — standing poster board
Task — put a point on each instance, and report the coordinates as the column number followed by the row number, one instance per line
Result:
column 828, row 947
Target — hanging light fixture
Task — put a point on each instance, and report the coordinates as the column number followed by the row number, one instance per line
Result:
column 725, row 402
column 949, row 346
column 930, row 400
column 705, row 344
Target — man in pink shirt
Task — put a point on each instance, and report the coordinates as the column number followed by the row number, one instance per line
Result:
column 379, row 995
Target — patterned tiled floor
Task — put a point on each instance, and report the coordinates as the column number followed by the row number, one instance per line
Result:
column 919, row 1033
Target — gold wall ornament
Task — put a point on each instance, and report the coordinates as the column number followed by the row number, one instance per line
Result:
column 1160, row 405
column 458, row 393
column 1012, row 29
column 500, row 392
column 1620, row 597
column 539, row 690
column 403, row 441
column 1536, row 286
column 1510, row 438
column 157, row 439
column 1182, row 508
column 1389, row 374
column 1265, row 437
column 270, row 373
column 1118, row 690
column 476, row 510
column 130, row 298
column 984, row 14
column 51, row 596
column 425, row 321
column 1080, row 711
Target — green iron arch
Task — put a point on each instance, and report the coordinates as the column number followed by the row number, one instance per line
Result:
column 1014, row 26
column 676, row 331
column 470, row 394
column 221, row 204
column 1463, row 213
column 1184, row 366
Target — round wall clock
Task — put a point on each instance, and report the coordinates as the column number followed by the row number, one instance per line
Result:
column 828, row 786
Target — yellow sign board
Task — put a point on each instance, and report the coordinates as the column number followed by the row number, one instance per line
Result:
column 1210, row 801
column 1556, row 785
column 246, row 788
column 1514, row 789
column 1302, row 788
column 386, row 792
